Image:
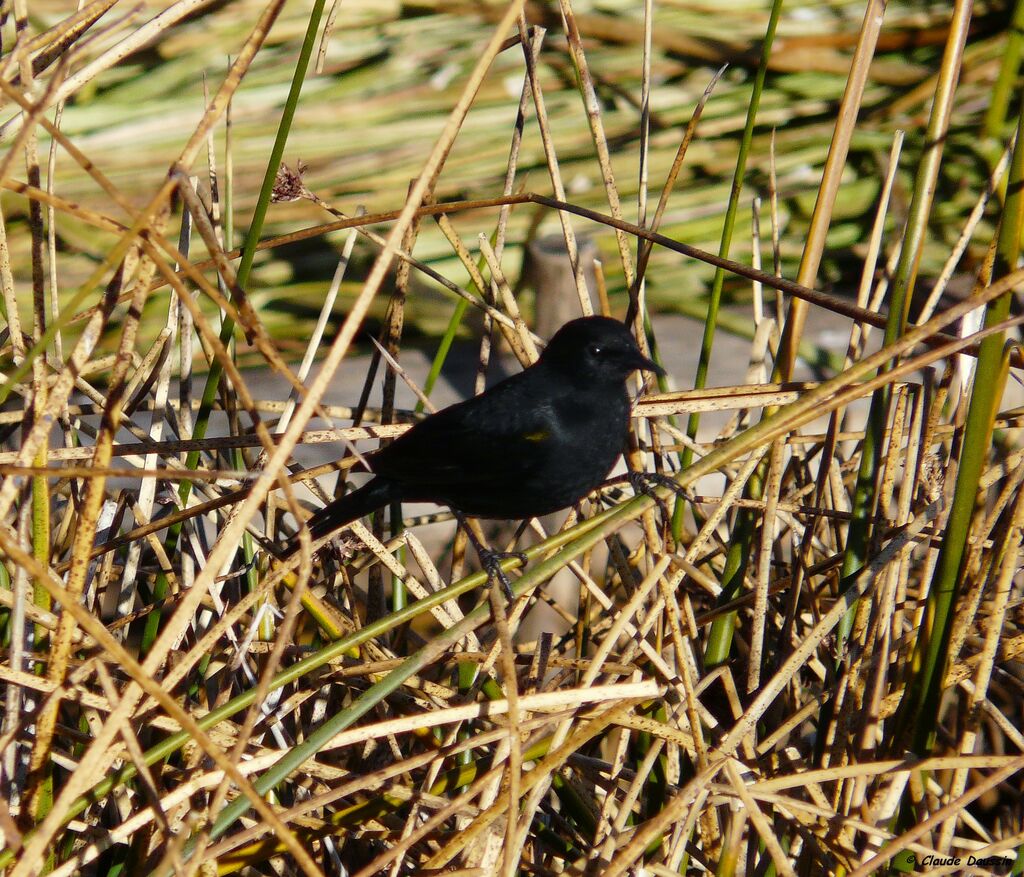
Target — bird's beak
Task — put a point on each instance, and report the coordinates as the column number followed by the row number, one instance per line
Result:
column 648, row 365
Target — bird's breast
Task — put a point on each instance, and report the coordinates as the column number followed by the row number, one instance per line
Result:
column 582, row 442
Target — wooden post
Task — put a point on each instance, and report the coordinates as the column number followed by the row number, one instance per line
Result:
column 547, row 271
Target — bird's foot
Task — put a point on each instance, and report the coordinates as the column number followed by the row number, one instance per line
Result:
column 491, row 562
column 647, row 484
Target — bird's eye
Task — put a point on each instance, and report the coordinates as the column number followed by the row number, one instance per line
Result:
column 595, row 349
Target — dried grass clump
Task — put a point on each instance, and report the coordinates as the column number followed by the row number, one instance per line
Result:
column 803, row 657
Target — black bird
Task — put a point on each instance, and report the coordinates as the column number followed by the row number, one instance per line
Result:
column 532, row 444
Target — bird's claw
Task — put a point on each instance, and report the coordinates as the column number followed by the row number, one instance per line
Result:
column 491, row 562
column 647, row 483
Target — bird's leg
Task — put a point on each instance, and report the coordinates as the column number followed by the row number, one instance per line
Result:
column 491, row 560
column 246, row 568
column 646, row 484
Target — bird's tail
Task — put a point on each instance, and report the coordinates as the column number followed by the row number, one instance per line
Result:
column 371, row 496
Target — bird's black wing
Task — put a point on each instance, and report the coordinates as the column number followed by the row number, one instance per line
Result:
column 492, row 439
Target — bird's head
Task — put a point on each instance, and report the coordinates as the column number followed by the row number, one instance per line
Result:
column 597, row 349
